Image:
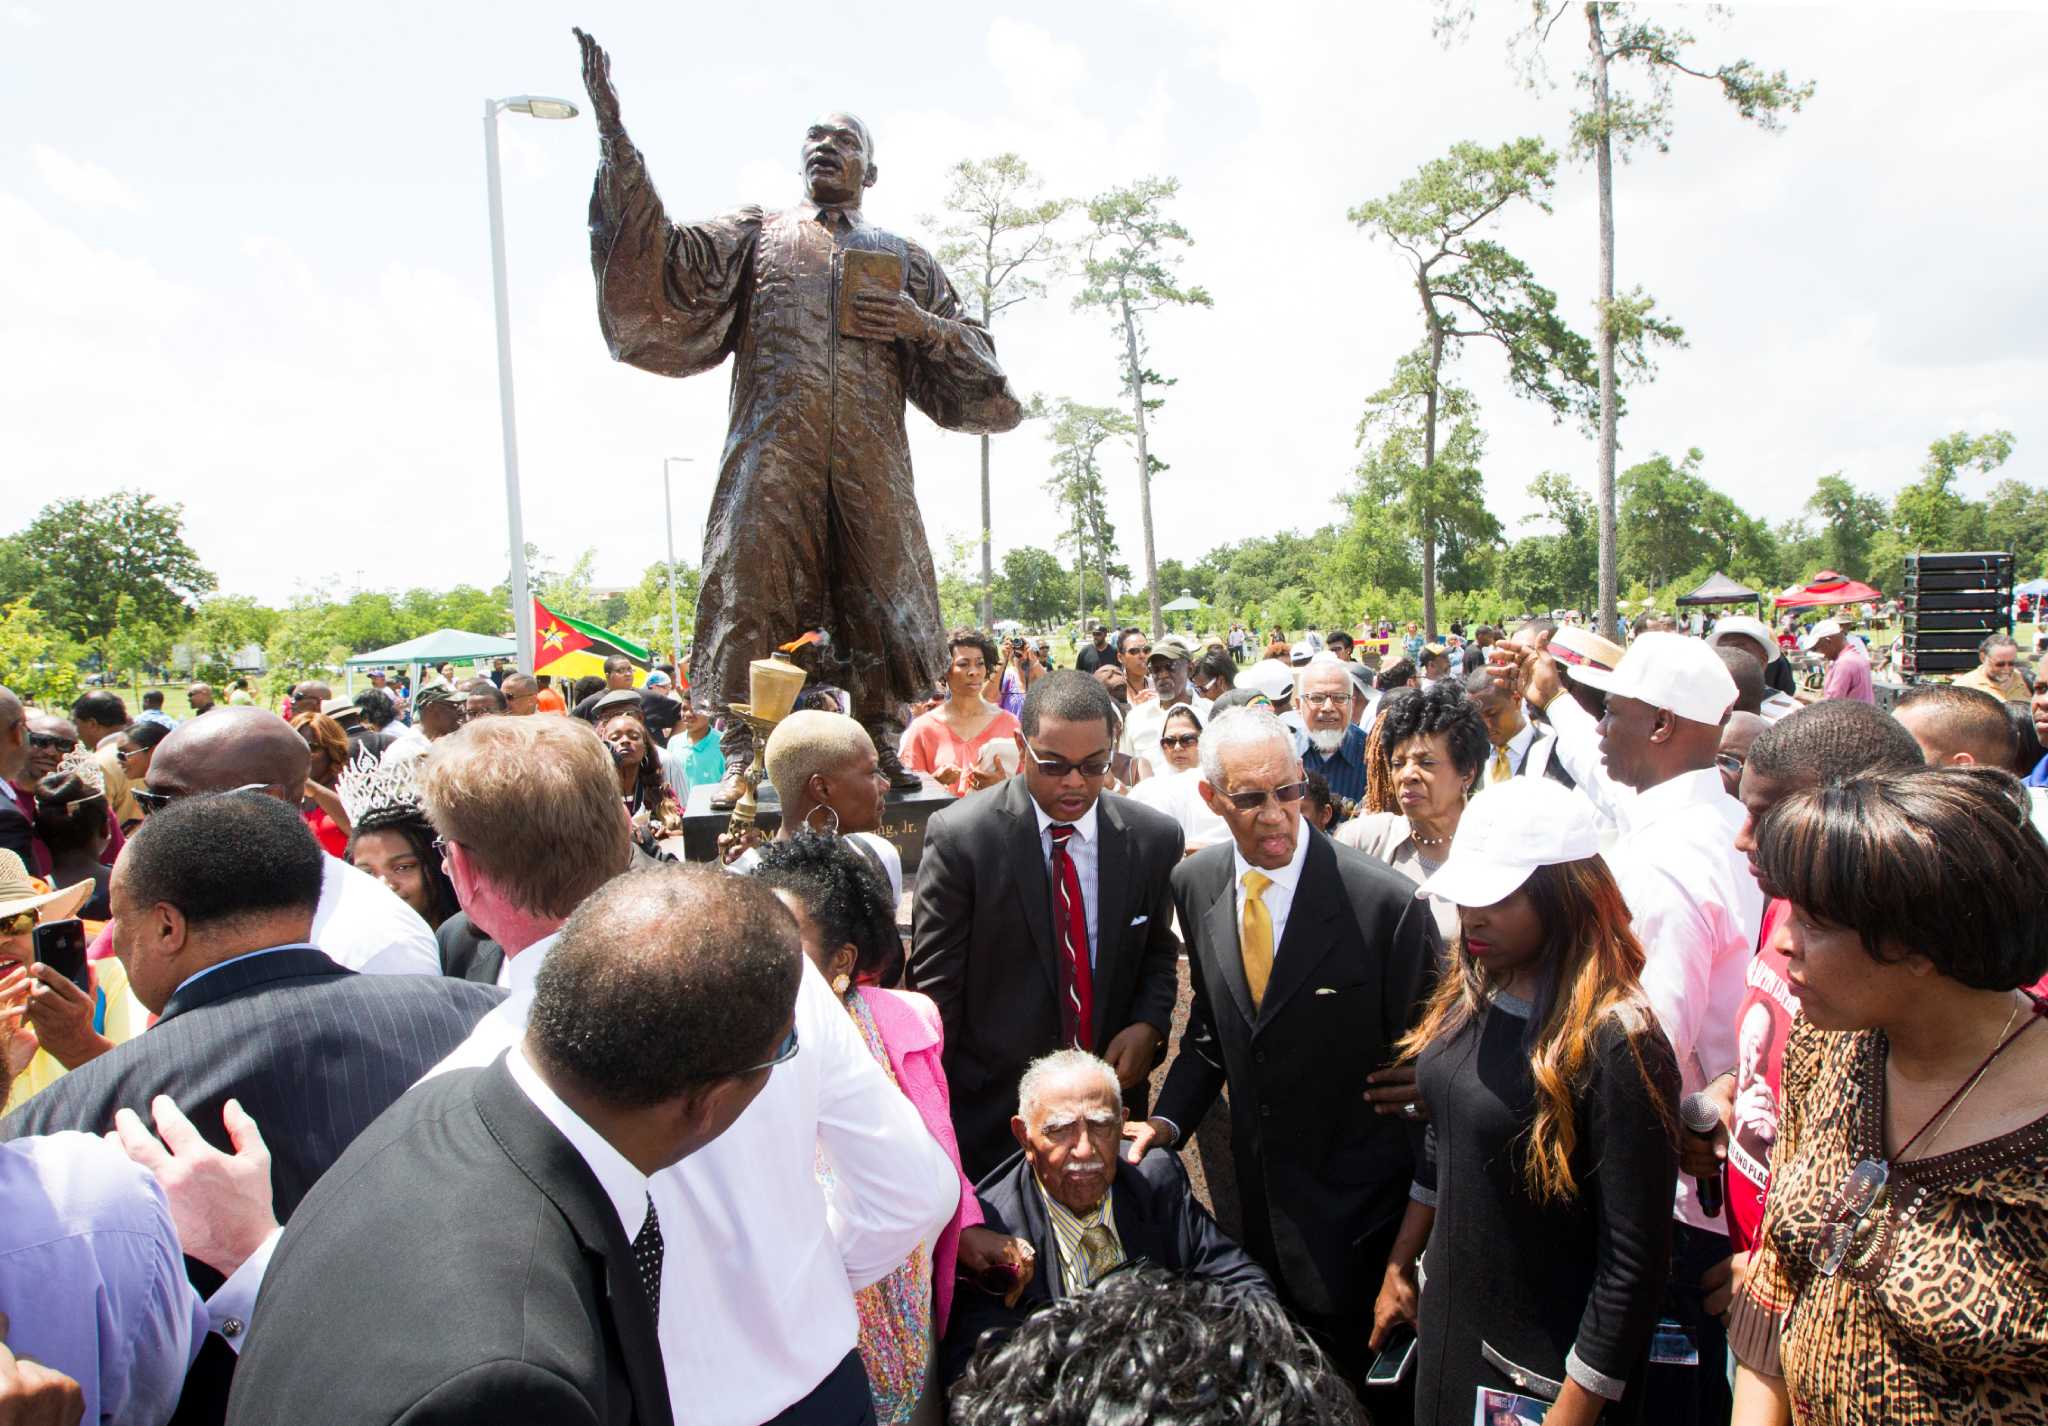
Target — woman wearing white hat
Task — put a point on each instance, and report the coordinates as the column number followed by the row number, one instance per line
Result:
column 1545, row 1194
column 46, row 1023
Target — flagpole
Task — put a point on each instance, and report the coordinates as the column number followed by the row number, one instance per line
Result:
column 675, row 636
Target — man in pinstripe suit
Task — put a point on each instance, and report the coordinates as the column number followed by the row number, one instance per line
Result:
column 213, row 903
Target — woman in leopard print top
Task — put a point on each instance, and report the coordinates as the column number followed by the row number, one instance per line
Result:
column 1902, row 1272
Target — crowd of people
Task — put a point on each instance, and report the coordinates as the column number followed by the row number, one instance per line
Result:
column 1573, row 1028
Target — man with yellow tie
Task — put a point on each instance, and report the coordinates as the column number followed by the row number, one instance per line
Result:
column 1308, row 962
column 1519, row 749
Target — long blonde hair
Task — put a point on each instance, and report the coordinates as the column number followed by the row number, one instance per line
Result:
column 1595, row 967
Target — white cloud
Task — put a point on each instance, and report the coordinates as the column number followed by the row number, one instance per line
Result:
column 23, row 16
column 82, row 183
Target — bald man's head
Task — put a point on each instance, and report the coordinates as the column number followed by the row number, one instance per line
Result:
column 232, row 747
column 13, row 734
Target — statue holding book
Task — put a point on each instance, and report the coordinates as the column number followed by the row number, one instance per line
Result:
column 832, row 324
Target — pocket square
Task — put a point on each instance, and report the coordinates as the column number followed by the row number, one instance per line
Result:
column 1140, row 920
column 1326, row 990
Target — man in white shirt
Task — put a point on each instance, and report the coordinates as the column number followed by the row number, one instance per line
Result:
column 361, row 924
column 1169, row 670
column 1694, row 904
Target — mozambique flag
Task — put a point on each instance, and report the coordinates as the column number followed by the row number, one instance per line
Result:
column 569, row 648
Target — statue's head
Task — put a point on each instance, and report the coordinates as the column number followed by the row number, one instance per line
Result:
column 838, row 160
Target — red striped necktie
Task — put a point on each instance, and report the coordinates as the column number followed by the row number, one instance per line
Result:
column 1077, row 981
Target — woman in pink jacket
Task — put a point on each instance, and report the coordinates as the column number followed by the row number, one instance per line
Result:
column 848, row 924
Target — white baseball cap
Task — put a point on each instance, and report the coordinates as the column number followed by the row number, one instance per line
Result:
column 1670, row 671
column 1301, row 653
column 1732, row 626
column 1270, row 677
column 1820, row 631
column 1506, row 833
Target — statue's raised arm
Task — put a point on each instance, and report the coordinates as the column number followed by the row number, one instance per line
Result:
column 597, row 83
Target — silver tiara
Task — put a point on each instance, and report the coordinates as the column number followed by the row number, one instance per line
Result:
column 81, row 761
column 367, row 785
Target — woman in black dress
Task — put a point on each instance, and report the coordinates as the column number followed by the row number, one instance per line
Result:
column 1544, row 1198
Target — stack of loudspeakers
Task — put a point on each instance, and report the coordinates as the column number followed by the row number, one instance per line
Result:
column 1952, row 603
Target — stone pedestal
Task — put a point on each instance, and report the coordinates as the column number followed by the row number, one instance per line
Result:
column 903, row 819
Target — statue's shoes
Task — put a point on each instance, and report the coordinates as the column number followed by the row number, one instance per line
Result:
column 728, row 793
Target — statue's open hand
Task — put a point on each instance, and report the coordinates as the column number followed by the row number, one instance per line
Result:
column 885, row 316
column 597, row 82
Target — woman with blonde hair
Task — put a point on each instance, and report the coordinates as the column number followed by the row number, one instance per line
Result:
column 1544, row 1194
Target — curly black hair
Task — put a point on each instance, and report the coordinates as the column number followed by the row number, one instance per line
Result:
column 1152, row 1346
column 409, row 822
column 1395, row 675
column 1443, row 707
column 845, row 897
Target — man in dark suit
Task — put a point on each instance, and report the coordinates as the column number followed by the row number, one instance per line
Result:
column 1085, row 1211
column 1309, row 961
column 489, row 1250
column 1042, row 918
column 213, row 900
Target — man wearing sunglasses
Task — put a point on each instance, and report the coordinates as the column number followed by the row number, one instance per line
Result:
column 1168, row 665
column 1042, row 920
column 1309, row 962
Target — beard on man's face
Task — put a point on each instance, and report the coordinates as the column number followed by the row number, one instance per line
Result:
column 1326, row 740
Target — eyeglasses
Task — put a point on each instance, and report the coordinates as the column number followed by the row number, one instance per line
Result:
column 20, row 923
column 1137, row 649
column 1059, row 768
column 1253, row 801
column 1325, row 700
column 1179, row 740
column 1854, row 1199
column 126, row 753
column 52, row 740
column 784, row 1053
column 150, row 801
column 1730, row 763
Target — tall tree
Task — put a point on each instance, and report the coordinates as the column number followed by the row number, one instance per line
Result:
column 1615, row 121
column 89, row 556
column 1472, row 287
column 1077, row 433
column 1035, row 585
column 1432, row 490
column 1131, row 268
column 1000, row 236
column 1849, row 519
column 2016, row 519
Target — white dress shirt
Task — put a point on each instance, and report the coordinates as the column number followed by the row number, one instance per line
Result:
column 1148, row 720
column 91, row 1276
column 361, row 924
column 1279, row 897
column 517, row 970
column 1177, row 794
column 1086, row 852
column 760, row 1264
column 623, row 1184
column 1697, row 909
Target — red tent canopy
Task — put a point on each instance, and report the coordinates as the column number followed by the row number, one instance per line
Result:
column 1827, row 588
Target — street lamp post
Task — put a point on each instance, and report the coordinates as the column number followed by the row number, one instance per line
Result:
column 675, row 634
column 537, row 107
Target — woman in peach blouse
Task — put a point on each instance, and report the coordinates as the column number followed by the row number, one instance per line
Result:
column 947, row 742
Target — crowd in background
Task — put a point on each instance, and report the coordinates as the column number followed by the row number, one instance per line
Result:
column 1568, row 1027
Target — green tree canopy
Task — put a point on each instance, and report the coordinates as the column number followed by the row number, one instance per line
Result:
column 91, row 561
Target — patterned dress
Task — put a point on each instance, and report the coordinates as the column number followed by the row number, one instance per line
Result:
column 896, row 1313
column 1939, row 1314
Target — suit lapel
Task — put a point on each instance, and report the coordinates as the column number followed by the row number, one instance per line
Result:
column 1034, row 1226
column 1112, row 890
column 1028, row 875
column 1143, row 1235
column 1318, row 898
column 1221, row 922
column 242, row 976
column 557, row 1170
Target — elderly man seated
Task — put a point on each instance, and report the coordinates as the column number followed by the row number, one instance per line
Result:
column 1085, row 1210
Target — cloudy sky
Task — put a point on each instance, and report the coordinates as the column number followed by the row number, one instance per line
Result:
column 244, row 258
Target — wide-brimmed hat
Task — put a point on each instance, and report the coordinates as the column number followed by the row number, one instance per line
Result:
column 18, row 892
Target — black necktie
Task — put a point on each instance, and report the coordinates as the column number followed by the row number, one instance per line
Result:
column 647, row 1257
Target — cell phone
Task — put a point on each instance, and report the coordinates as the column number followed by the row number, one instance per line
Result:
column 1392, row 1364
column 60, row 945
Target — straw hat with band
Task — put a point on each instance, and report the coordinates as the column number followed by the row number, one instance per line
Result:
column 19, row 896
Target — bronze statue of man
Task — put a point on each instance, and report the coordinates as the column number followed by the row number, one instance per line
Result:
column 814, row 521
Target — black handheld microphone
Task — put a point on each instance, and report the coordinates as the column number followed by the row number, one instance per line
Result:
column 1702, row 1116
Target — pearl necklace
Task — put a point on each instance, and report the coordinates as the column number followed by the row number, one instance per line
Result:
column 1422, row 841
